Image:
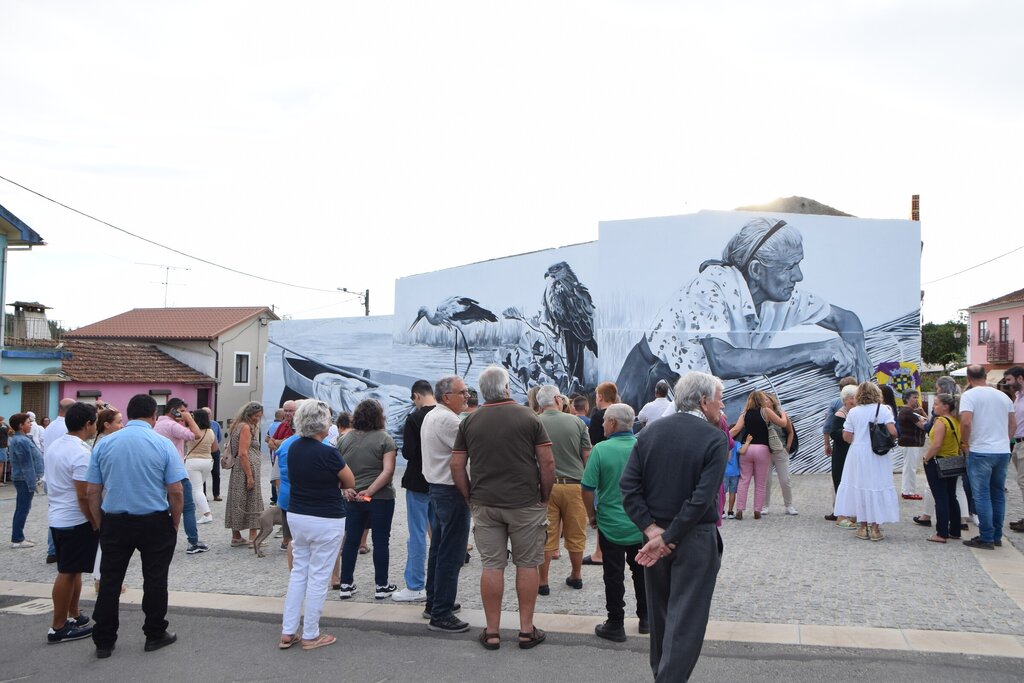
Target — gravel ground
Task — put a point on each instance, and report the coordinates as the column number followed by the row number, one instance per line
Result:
column 780, row 569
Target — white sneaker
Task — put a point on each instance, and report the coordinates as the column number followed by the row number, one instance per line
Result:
column 974, row 519
column 791, row 510
column 409, row 595
column 206, row 519
column 24, row 544
column 764, row 511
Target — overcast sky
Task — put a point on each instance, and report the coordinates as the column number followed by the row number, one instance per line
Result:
column 344, row 144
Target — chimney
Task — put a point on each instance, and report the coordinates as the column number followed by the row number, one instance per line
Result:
column 915, row 207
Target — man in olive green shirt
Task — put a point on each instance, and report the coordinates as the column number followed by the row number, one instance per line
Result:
column 570, row 443
column 620, row 539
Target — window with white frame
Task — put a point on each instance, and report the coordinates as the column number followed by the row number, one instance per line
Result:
column 982, row 331
column 241, row 368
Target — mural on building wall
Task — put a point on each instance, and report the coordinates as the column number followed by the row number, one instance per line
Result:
column 340, row 361
column 780, row 302
column 531, row 313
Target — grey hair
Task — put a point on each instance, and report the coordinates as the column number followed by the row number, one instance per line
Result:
column 692, row 387
column 623, row 415
column 849, row 391
column 546, row 395
column 947, row 385
column 444, row 386
column 494, row 383
column 312, row 418
column 785, row 244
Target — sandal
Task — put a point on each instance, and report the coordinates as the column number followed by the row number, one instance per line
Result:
column 363, row 550
column 240, row 543
column 862, row 533
column 322, row 640
column 485, row 639
column 936, row 539
column 876, row 535
column 532, row 639
column 285, row 644
column 846, row 524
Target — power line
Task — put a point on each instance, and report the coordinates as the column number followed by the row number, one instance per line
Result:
column 164, row 246
column 961, row 272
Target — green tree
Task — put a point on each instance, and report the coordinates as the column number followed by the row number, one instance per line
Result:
column 944, row 344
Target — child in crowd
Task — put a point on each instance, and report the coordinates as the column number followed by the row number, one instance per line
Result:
column 732, row 473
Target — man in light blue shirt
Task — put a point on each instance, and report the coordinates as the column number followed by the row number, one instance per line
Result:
column 135, row 479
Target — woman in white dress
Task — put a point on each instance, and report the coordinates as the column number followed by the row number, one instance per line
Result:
column 866, row 491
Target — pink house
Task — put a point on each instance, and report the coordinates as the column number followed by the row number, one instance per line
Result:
column 118, row 371
column 996, row 332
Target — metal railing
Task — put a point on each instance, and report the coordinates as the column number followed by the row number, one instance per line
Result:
column 1000, row 351
column 31, row 328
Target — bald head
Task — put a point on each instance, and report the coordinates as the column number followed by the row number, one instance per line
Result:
column 62, row 407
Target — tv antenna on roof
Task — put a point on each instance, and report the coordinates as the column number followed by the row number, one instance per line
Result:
column 167, row 274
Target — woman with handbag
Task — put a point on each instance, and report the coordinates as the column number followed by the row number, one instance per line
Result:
column 199, row 465
column 945, row 443
column 866, row 491
column 245, row 492
column 780, row 445
column 756, row 462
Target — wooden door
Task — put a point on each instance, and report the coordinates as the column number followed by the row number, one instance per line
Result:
column 35, row 396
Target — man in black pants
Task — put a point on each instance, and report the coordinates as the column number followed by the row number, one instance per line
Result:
column 135, row 479
column 671, row 493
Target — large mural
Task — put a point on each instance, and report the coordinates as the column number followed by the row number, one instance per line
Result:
column 532, row 313
column 782, row 302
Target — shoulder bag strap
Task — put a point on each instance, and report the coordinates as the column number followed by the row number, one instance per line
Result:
column 952, row 429
column 196, row 443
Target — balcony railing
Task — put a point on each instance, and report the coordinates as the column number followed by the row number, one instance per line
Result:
column 32, row 329
column 1000, row 351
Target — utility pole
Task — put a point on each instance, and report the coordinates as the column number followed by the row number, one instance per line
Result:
column 167, row 275
column 364, row 298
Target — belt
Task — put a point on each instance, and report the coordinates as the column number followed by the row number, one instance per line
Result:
column 566, row 480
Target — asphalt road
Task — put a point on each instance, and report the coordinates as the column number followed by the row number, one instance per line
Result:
column 218, row 646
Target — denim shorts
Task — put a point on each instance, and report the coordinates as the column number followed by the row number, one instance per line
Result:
column 732, row 484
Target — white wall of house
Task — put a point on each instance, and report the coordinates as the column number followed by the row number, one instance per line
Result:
column 200, row 355
column 244, row 345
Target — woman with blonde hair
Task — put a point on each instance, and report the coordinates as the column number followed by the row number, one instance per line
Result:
column 245, row 493
column 866, row 491
column 757, row 460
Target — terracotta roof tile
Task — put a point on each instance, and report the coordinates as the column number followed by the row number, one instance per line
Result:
column 1011, row 298
column 170, row 323
column 93, row 361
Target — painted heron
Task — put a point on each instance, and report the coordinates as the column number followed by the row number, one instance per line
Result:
column 456, row 309
column 569, row 310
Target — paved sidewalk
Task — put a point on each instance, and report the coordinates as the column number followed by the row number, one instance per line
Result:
column 778, row 570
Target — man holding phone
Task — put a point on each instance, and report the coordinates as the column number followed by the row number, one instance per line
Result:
column 178, row 426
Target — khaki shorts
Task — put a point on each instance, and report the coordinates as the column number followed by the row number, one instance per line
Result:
column 565, row 507
column 526, row 527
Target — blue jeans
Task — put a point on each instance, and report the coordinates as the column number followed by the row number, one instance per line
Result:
column 419, row 512
column 449, row 533
column 22, row 505
column 377, row 515
column 987, row 472
column 188, row 513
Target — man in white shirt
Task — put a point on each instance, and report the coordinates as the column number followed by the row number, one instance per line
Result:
column 56, row 429
column 74, row 528
column 987, row 425
column 36, row 433
column 449, row 531
column 656, row 408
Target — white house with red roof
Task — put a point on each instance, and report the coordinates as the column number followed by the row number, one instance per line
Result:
column 226, row 343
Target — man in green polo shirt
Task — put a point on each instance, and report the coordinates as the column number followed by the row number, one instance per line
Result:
column 620, row 539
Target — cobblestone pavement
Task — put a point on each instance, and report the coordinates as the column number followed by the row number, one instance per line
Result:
column 780, row 569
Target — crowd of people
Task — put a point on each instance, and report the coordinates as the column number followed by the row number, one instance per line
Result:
column 525, row 480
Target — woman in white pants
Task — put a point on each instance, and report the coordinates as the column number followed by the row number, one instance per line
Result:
column 316, row 517
column 199, row 465
column 780, row 456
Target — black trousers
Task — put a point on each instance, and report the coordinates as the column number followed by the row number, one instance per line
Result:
column 679, row 591
column 616, row 558
column 947, row 507
column 121, row 535
column 215, row 474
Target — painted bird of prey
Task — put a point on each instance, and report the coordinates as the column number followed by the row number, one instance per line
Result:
column 569, row 311
column 456, row 309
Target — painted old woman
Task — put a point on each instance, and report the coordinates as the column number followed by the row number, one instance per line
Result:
column 725, row 319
